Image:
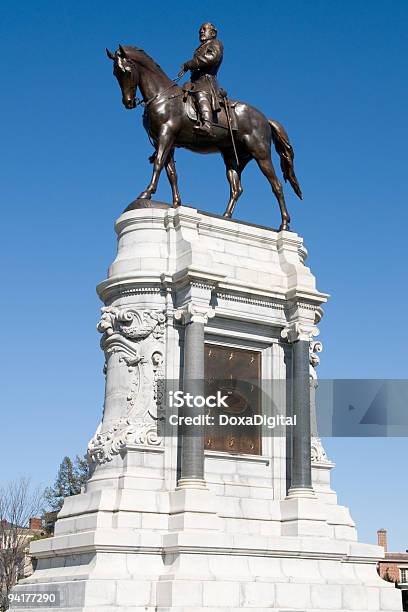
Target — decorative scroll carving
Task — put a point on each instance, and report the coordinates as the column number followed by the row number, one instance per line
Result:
column 104, row 446
column 158, row 387
column 318, row 454
column 133, row 338
column 131, row 323
column 315, row 347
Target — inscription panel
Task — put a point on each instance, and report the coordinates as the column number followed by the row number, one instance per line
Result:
column 237, row 374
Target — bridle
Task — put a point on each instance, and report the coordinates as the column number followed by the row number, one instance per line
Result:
column 156, row 97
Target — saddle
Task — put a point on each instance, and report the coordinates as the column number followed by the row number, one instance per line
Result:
column 219, row 117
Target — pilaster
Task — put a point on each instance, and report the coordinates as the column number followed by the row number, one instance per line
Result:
column 298, row 334
column 194, row 317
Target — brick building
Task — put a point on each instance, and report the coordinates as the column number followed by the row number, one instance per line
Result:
column 19, row 538
column 394, row 567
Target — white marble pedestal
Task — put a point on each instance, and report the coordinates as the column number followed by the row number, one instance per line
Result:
column 133, row 541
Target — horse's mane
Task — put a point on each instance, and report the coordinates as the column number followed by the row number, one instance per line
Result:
column 140, row 56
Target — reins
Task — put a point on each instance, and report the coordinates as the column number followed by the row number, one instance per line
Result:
column 146, row 103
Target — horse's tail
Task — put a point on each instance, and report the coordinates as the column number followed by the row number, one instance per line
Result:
column 286, row 154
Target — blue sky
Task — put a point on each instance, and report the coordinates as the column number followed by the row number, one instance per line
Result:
column 334, row 73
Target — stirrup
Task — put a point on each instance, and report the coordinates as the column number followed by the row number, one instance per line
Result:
column 205, row 128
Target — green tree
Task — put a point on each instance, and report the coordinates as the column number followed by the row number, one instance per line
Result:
column 72, row 475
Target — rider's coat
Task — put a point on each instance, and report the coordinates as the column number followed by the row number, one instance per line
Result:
column 204, row 67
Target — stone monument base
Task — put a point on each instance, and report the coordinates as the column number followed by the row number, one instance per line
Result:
column 152, row 551
column 151, row 534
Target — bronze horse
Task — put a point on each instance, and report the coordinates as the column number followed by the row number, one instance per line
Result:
column 168, row 126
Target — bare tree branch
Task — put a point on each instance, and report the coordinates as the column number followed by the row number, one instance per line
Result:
column 18, row 503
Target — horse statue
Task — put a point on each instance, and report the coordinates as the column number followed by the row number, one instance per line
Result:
column 241, row 132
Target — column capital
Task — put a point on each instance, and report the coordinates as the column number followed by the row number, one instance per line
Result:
column 299, row 331
column 194, row 313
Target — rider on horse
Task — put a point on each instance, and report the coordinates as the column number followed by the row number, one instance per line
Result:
column 204, row 67
column 168, row 122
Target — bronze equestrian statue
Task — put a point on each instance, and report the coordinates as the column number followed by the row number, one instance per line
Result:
column 199, row 117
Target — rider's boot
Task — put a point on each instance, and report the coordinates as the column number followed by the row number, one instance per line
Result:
column 206, row 115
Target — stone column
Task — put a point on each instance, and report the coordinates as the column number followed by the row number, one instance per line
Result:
column 301, row 480
column 192, row 436
column 301, row 447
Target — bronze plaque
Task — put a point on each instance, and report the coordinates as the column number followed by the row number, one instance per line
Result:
column 237, row 374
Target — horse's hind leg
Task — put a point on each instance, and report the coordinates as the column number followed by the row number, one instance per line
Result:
column 266, row 166
column 172, row 176
column 234, row 178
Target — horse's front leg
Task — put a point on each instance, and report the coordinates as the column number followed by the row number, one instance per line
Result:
column 164, row 146
column 172, row 176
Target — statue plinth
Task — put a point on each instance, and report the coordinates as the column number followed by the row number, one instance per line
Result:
column 170, row 521
column 139, row 203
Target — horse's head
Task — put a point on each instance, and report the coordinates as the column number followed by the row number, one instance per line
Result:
column 125, row 71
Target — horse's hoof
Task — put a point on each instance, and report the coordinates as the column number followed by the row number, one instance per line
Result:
column 284, row 227
column 145, row 195
column 176, row 204
column 227, row 214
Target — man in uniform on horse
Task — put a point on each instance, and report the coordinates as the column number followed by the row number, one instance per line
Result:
column 204, row 67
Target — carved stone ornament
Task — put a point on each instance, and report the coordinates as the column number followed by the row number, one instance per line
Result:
column 133, row 338
column 104, row 446
column 297, row 331
column 315, row 346
column 319, row 455
column 194, row 313
column 131, row 323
